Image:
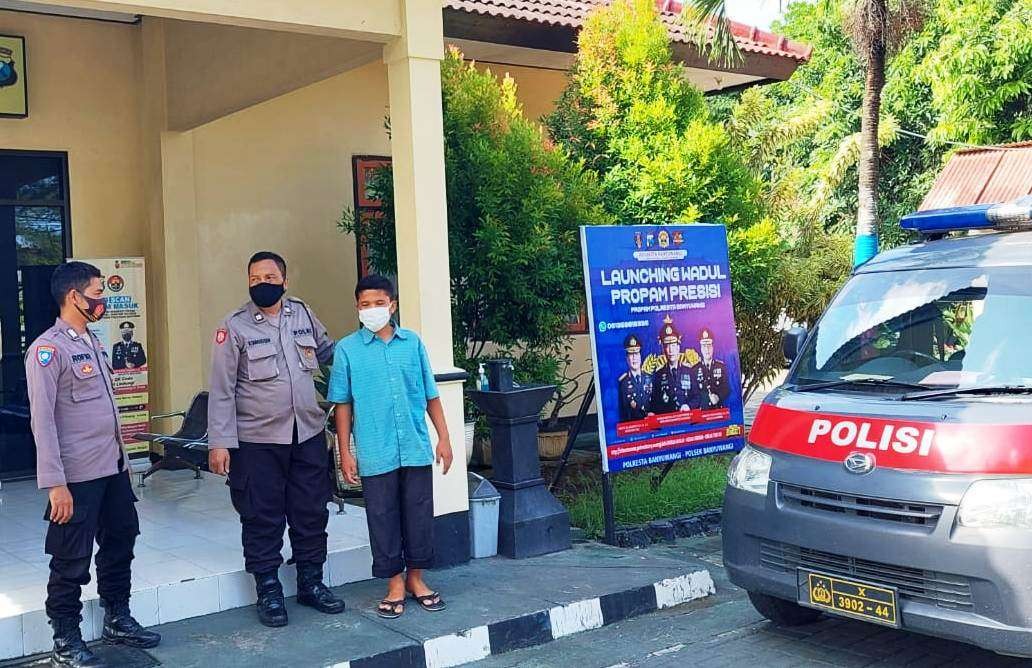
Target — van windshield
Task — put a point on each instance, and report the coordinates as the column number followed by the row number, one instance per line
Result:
column 940, row 328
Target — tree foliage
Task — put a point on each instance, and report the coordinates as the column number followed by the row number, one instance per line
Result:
column 515, row 203
column 630, row 114
column 965, row 76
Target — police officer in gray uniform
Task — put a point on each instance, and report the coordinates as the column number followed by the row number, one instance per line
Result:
column 81, row 461
column 265, row 430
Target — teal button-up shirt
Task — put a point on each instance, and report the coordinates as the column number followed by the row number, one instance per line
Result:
column 388, row 385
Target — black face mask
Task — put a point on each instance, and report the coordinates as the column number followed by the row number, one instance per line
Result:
column 265, row 295
column 94, row 310
column 127, row 337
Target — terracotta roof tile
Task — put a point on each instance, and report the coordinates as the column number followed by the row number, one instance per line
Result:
column 572, row 13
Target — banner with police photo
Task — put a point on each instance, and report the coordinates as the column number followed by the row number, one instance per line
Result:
column 123, row 331
column 667, row 371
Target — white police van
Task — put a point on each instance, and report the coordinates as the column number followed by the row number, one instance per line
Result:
column 889, row 479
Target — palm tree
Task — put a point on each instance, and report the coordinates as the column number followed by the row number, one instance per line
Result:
column 874, row 26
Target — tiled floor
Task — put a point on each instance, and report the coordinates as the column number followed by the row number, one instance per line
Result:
column 188, row 556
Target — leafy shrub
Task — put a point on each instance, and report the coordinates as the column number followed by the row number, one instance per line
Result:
column 515, row 203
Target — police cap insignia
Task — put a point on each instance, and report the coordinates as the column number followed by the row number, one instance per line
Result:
column 668, row 333
column 631, row 344
column 220, row 336
column 705, row 335
column 127, row 325
column 45, row 354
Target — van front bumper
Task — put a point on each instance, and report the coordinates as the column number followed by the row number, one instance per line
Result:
column 974, row 587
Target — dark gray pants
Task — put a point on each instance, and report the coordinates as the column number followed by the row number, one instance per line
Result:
column 400, row 514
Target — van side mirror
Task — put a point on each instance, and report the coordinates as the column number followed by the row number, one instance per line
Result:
column 792, row 342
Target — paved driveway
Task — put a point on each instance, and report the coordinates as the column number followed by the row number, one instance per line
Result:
column 724, row 630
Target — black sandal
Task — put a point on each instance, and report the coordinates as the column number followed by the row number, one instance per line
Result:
column 389, row 609
column 431, row 602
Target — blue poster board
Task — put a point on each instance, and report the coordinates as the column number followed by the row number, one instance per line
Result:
column 665, row 352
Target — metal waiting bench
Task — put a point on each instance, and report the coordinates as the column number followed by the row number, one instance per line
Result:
column 187, row 448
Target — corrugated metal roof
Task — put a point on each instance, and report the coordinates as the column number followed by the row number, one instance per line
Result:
column 983, row 176
column 571, row 14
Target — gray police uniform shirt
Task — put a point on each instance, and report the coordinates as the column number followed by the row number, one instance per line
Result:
column 263, row 376
column 74, row 417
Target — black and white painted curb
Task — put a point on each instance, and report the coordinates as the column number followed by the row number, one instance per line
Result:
column 543, row 626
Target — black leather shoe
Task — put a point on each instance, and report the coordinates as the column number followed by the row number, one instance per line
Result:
column 70, row 651
column 121, row 629
column 313, row 592
column 272, row 609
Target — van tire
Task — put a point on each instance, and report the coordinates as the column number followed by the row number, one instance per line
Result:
column 782, row 612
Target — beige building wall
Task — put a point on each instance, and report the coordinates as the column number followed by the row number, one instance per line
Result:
column 537, row 90
column 276, row 176
column 84, row 99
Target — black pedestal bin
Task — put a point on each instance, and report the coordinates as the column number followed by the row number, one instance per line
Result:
column 531, row 520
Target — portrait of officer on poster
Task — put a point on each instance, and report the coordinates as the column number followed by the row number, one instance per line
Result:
column 672, row 388
column 635, row 386
column 127, row 353
column 709, row 376
column 663, row 341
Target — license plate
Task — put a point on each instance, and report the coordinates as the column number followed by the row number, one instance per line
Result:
column 849, row 598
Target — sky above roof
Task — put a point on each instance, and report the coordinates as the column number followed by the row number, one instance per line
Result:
column 759, row 13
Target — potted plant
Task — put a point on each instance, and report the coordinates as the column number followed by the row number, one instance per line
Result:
column 553, row 367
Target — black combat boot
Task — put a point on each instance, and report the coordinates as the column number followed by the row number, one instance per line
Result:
column 69, row 648
column 121, row 629
column 313, row 592
column 272, row 609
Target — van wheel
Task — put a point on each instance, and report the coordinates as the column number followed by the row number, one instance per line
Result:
column 782, row 612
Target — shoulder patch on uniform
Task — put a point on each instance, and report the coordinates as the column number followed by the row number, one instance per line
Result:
column 45, row 354
column 221, row 334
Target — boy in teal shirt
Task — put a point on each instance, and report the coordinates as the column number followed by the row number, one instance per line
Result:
column 383, row 387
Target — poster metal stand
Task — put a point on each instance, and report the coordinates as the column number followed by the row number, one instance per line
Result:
column 608, row 510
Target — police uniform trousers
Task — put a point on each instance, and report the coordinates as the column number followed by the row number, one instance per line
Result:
column 103, row 511
column 273, row 485
column 400, row 515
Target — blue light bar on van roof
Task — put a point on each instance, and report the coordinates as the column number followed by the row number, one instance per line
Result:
column 1008, row 215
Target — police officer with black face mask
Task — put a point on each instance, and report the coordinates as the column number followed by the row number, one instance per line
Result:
column 265, row 429
column 127, row 354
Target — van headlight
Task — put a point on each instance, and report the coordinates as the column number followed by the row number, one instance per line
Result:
column 750, row 471
column 1004, row 502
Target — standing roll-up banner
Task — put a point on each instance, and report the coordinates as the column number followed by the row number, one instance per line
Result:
column 664, row 343
column 123, row 333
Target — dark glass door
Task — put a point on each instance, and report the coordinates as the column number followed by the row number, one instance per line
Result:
column 33, row 240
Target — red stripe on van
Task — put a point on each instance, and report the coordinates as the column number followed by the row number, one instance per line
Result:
column 900, row 444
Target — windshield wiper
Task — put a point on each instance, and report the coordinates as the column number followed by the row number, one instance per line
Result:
column 844, row 382
column 977, row 389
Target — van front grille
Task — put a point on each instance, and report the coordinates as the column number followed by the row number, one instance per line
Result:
column 941, row 589
column 906, row 512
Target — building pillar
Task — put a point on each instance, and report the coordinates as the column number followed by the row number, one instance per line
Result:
column 421, row 215
column 173, row 290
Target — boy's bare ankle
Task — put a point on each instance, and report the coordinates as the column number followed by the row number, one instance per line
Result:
column 396, row 588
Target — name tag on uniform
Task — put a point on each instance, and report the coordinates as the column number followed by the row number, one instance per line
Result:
column 258, row 342
column 302, row 332
column 81, row 357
